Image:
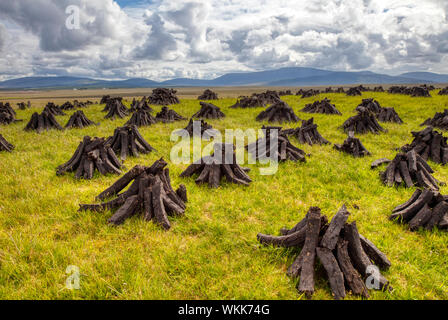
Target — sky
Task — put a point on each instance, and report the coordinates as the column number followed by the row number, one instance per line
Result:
column 165, row 39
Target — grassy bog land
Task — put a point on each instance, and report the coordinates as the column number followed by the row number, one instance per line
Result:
column 212, row 252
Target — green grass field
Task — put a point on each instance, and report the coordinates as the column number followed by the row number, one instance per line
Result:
column 212, row 252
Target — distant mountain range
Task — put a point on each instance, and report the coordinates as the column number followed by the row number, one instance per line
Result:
column 285, row 77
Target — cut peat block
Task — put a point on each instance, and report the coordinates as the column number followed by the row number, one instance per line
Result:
column 127, row 141
column 167, row 115
column 440, row 120
column 141, row 105
column 54, row 109
column 163, row 97
column 7, row 114
column 324, row 107
column 43, row 121
column 209, row 111
column 208, row 95
column 198, row 128
column 278, row 112
column 141, row 118
column 345, row 254
column 5, row 145
column 429, row 144
column 307, row 133
column 425, row 209
column 222, row 164
column 409, row 169
column 79, row 120
column 363, row 122
column 375, row 164
column 150, row 196
column 352, row 92
column 275, row 145
column 249, row 102
column 91, row 154
column 117, row 110
column 352, row 146
column 443, row 92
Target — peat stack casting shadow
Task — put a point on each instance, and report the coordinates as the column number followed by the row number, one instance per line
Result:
column 440, row 120
column 429, row 144
column 209, row 111
column 363, row 122
column 91, row 154
column 324, row 107
column 352, row 146
column 141, row 118
column 307, row 133
column 249, row 102
column 222, row 164
column 409, row 169
column 141, row 105
column 278, row 112
column 276, row 146
column 208, row 95
column 346, row 256
column 425, row 209
column 127, row 141
column 163, row 97
column 117, row 110
column 43, row 121
column 167, row 115
column 54, row 109
column 79, row 120
column 150, row 195
column 7, row 114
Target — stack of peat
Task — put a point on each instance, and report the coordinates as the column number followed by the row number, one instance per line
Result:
column 5, row 145
column 79, row 120
column 420, row 92
column 399, row 90
column 141, row 105
column 78, row 104
column 378, row 89
column 389, row 115
column 354, row 92
column 307, row 133
column 426, row 209
column 340, row 90
column 440, row 120
column 54, row 109
column 409, row 169
column 167, row 115
column 363, row 122
column 43, row 121
column 116, row 110
column 141, row 118
column 371, row 105
column 285, row 93
column 23, row 106
column 443, row 92
column 323, row 106
column 347, row 257
column 127, row 141
column 276, row 146
column 329, row 90
column 68, row 106
column 429, row 144
column 278, row 112
column 309, row 93
column 208, row 95
column 105, row 99
column 269, row 97
column 249, row 102
column 209, row 111
column 163, row 97
column 198, row 128
column 91, row 154
column 150, row 195
column 111, row 102
column 222, row 164
column 352, row 146
column 7, row 114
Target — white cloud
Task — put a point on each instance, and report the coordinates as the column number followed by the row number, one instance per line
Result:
column 172, row 38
